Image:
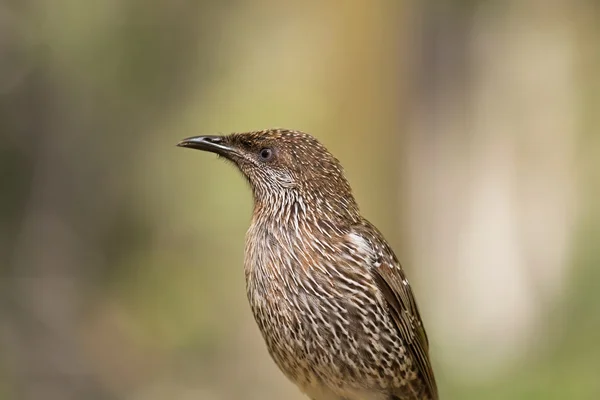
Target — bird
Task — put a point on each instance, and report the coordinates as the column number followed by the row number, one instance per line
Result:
column 333, row 304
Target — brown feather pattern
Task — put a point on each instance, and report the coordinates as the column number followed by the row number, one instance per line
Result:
column 329, row 296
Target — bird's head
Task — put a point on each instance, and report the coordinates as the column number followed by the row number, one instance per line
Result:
column 288, row 170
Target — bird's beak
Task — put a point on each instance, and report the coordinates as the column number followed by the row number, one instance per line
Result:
column 214, row 144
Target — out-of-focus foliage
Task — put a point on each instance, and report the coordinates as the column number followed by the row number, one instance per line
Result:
column 468, row 130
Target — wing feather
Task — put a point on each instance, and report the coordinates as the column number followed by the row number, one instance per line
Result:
column 396, row 290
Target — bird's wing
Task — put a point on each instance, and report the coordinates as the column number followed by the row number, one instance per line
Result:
column 397, row 292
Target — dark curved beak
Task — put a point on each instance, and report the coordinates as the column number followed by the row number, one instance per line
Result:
column 214, row 144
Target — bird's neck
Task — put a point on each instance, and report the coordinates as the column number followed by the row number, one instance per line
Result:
column 291, row 209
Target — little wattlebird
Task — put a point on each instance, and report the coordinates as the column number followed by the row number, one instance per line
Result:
column 332, row 302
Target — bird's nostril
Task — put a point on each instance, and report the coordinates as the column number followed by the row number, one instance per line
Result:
column 213, row 139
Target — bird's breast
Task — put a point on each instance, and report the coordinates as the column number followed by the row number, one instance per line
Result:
column 321, row 315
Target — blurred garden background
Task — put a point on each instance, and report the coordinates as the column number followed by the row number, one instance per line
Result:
column 468, row 129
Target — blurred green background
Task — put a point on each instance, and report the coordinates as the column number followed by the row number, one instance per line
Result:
column 468, row 130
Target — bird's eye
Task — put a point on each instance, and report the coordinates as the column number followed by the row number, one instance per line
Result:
column 266, row 154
